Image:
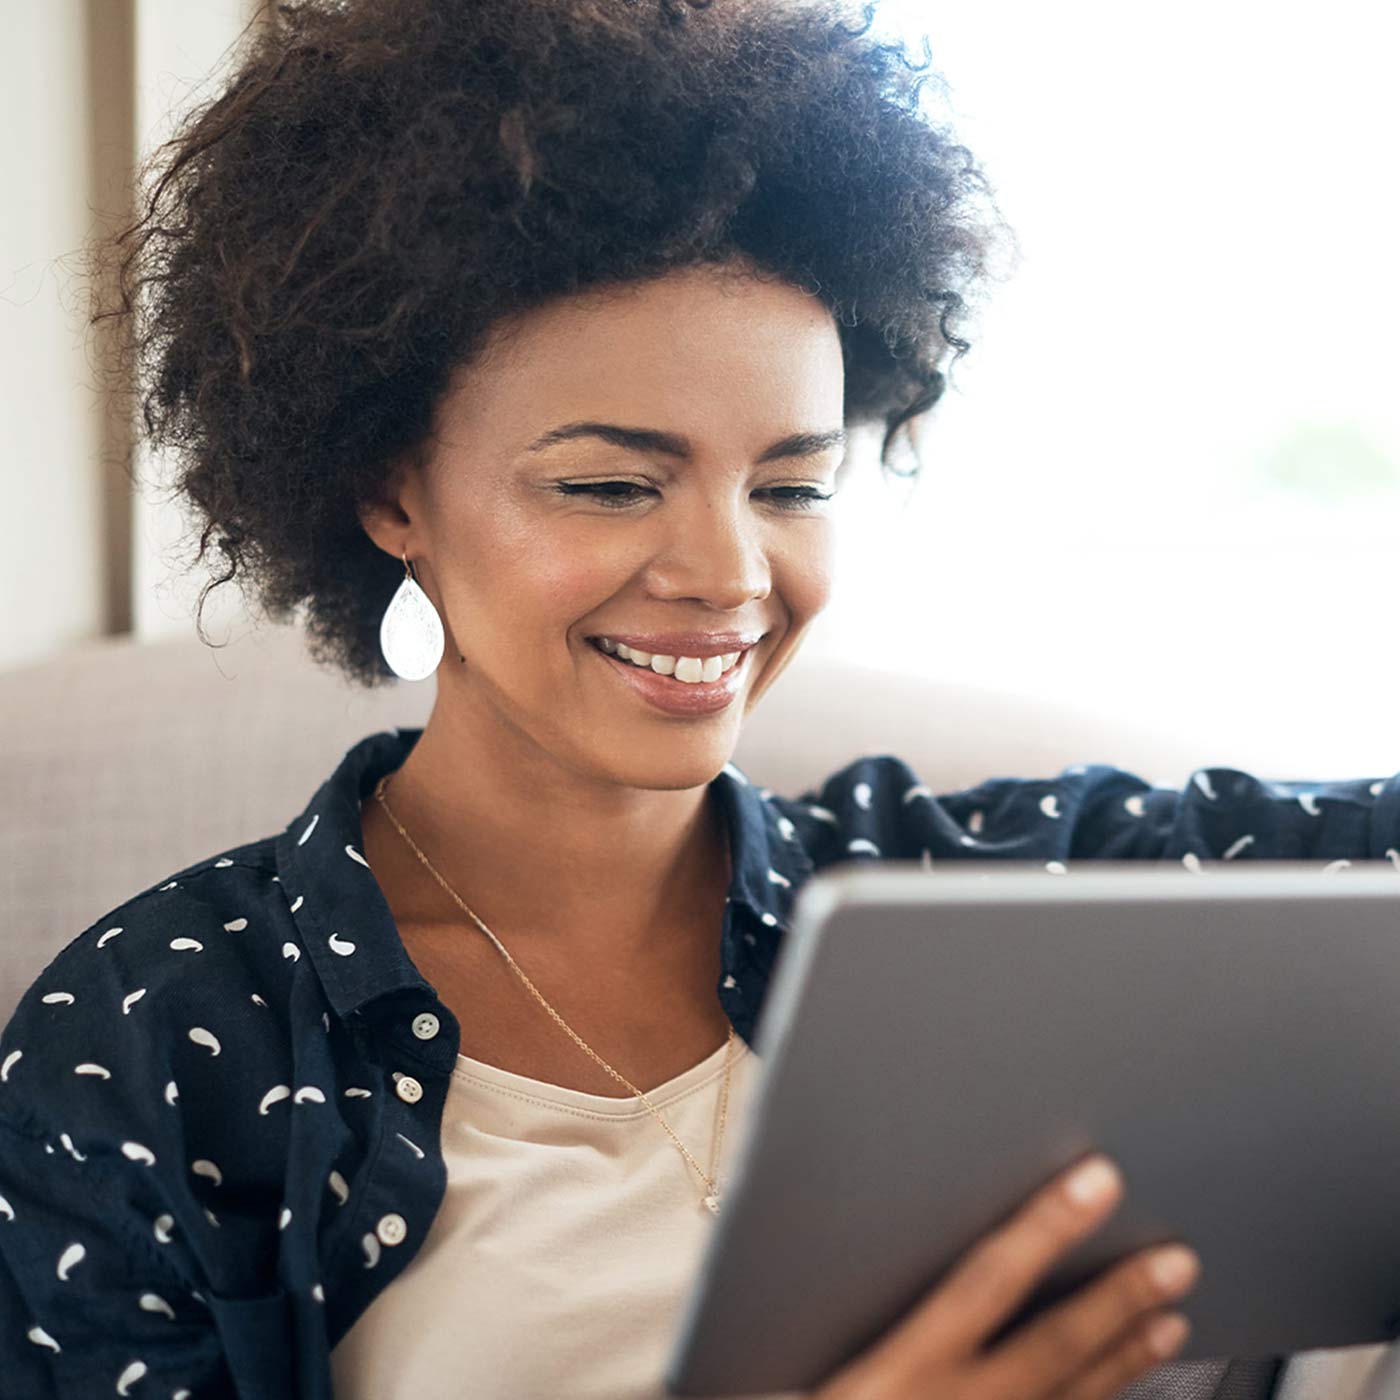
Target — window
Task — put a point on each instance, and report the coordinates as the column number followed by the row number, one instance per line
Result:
column 1166, row 482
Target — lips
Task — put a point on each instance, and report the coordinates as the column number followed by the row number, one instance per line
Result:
column 678, row 644
column 737, row 652
column 681, row 698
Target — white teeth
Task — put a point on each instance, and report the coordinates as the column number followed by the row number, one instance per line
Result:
column 691, row 669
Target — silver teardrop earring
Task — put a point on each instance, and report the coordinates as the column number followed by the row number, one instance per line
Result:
column 410, row 632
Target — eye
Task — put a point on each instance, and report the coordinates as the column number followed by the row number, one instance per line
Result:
column 599, row 491
column 809, row 497
column 627, row 492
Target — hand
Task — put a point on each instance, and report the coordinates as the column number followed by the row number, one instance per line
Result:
column 1087, row 1347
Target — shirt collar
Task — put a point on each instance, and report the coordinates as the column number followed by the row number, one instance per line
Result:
column 348, row 930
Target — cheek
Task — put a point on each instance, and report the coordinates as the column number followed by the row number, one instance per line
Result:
column 519, row 574
column 804, row 570
column 802, row 583
column 564, row 588
column 543, row 586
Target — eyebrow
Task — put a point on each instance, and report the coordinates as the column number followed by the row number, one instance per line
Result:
column 674, row 445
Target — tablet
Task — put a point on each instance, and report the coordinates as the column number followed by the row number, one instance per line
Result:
column 935, row 1045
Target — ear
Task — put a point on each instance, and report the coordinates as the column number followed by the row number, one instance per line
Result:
column 390, row 517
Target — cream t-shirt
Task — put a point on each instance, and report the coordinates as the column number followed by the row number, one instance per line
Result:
column 569, row 1235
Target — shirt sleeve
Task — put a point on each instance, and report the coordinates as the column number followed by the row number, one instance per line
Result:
column 90, row 1304
column 106, row 1243
column 878, row 808
column 1223, row 813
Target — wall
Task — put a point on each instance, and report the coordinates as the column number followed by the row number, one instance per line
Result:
column 86, row 87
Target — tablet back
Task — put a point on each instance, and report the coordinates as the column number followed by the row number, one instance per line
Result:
column 935, row 1045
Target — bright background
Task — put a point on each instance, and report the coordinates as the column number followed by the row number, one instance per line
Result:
column 1168, row 482
column 1165, row 483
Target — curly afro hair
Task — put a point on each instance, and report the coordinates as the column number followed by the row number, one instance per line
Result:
column 380, row 181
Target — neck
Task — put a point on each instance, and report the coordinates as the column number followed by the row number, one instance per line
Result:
column 539, row 853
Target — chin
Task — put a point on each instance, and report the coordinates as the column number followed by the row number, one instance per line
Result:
column 662, row 768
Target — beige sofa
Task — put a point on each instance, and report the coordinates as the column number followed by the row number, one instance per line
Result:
column 125, row 761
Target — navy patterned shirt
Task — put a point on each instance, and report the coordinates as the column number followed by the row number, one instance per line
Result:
column 220, row 1103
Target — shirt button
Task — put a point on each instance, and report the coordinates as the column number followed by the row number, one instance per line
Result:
column 425, row 1026
column 391, row 1228
column 408, row 1089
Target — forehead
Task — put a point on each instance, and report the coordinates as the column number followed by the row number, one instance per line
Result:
column 706, row 352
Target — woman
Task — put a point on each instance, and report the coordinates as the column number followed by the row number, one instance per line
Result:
column 517, row 344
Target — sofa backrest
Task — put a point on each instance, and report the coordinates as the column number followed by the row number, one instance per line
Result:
column 128, row 760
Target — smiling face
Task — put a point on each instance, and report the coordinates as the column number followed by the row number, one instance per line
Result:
column 534, row 534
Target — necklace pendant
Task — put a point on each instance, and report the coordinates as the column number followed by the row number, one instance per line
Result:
column 712, row 1202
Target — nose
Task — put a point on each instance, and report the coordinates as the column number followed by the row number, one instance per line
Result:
column 717, row 553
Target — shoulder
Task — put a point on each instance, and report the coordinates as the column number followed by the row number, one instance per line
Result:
column 877, row 805
column 183, row 971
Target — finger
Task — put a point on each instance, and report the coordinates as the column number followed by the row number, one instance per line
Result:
column 1141, row 1351
column 1061, row 1341
column 987, row 1285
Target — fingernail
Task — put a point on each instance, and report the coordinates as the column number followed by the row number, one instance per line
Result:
column 1166, row 1333
column 1092, row 1181
column 1174, row 1265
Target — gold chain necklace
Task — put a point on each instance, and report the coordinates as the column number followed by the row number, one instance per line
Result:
column 711, row 1201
